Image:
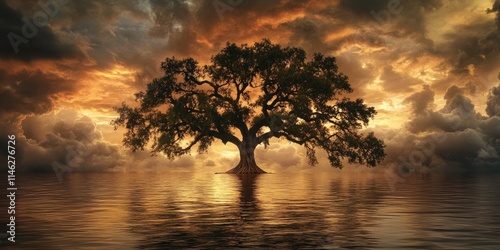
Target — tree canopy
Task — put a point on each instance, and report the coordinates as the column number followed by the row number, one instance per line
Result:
column 247, row 95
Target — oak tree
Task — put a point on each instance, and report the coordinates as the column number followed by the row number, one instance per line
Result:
column 247, row 95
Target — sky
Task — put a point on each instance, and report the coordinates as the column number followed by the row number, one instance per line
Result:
column 430, row 68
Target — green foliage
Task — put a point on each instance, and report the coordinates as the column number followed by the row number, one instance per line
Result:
column 261, row 91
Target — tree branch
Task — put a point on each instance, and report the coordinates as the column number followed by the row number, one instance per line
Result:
column 224, row 137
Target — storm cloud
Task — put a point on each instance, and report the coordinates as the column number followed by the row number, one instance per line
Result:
column 454, row 136
column 430, row 68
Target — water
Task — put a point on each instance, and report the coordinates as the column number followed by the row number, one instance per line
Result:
column 273, row 211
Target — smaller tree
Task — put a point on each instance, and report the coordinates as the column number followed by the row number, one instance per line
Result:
column 246, row 96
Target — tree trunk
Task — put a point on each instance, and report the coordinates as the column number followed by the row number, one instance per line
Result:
column 247, row 163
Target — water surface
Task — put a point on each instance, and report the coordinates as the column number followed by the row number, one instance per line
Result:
column 272, row 211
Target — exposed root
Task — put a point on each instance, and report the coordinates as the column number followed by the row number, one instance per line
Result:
column 246, row 169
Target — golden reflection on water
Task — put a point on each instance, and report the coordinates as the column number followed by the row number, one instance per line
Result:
column 284, row 211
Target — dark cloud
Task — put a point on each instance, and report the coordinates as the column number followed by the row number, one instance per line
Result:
column 422, row 101
column 66, row 138
column 374, row 45
column 175, row 21
column 477, row 44
column 23, row 39
column 454, row 90
column 105, row 33
column 493, row 102
column 457, row 114
column 491, row 128
column 454, row 136
column 308, row 33
column 495, row 9
column 169, row 16
column 412, row 22
column 237, row 13
column 464, row 148
column 28, row 92
column 407, row 18
column 362, row 7
column 114, row 32
column 472, row 47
